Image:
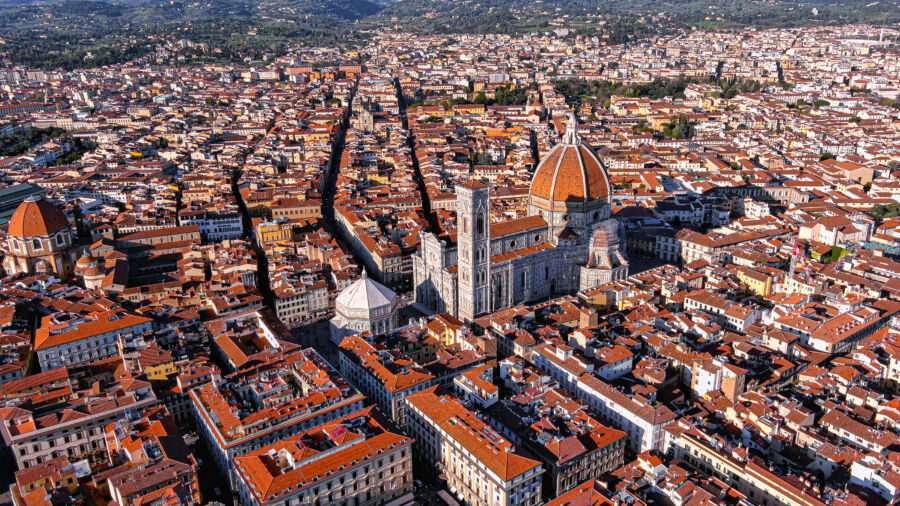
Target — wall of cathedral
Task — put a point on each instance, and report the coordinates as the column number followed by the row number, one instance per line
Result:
column 525, row 278
column 462, row 280
column 435, row 284
column 518, row 240
column 592, row 278
column 579, row 221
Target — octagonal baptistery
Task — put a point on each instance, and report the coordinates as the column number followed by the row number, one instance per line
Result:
column 365, row 305
column 570, row 187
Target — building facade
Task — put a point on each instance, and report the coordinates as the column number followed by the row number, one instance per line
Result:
column 67, row 340
column 383, row 376
column 482, row 468
column 358, row 459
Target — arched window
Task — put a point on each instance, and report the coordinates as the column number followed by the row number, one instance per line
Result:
column 479, row 223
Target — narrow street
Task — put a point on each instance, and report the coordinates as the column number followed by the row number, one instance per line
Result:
column 327, row 189
column 426, row 201
column 329, row 186
column 262, row 263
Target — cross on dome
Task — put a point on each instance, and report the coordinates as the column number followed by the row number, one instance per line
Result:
column 571, row 137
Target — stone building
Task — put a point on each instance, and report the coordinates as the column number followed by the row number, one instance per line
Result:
column 39, row 240
column 567, row 242
column 364, row 306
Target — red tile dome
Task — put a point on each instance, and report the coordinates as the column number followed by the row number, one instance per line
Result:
column 37, row 218
column 570, row 173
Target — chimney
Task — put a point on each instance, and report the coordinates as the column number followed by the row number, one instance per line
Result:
column 588, row 318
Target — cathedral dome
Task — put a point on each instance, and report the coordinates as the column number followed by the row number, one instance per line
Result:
column 569, row 174
column 37, row 218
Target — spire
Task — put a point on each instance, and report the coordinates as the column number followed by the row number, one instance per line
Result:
column 572, row 131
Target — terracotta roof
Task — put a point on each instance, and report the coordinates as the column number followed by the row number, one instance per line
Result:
column 570, row 174
column 477, row 437
column 590, row 493
column 517, row 225
column 98, row 323
column 273, row 476
column 35, row 218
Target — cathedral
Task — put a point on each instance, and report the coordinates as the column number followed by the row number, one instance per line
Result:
column 567, row 242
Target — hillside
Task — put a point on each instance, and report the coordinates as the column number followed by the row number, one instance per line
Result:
column 70, row 34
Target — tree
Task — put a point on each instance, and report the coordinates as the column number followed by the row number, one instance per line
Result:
column 826, row 156
column 881, row 212
column 679, row 128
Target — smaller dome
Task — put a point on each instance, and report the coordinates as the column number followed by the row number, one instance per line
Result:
column 36, row 217
column 365, row 295
column 84, row 261
column 92, row 271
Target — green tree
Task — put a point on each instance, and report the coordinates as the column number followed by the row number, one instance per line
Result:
column 678, row 128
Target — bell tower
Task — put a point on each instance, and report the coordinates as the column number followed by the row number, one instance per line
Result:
column 474, row 249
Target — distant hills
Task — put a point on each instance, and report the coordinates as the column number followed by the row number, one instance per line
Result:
column 72, row 33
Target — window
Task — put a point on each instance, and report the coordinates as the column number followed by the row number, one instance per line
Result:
column 479, row 224
column 36, row 244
